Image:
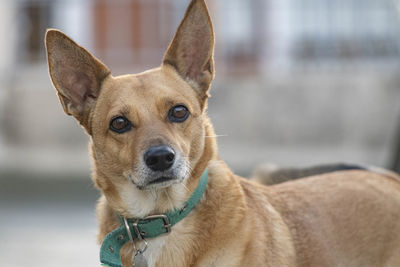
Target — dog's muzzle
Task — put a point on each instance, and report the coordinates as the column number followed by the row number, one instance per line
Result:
column 161, row 166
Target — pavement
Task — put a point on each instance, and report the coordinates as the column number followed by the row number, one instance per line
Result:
column 47, row 222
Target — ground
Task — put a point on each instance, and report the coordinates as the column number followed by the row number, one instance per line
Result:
column 49, row 225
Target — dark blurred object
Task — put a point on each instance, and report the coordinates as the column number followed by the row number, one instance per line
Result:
column 396, row 152
column 34, row 18
column 270, row 174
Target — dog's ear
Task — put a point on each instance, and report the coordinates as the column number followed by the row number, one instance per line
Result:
column 191, row 50
column 75, row 73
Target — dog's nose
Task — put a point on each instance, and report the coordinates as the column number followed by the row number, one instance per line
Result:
column 159, row 158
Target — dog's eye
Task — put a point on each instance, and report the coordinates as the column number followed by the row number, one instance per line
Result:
column 120, row 124
column 178, row 113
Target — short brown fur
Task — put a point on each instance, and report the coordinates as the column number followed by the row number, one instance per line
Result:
column 339, row 219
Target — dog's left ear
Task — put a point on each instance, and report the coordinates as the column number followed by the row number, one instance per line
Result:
column 191, row 50
column 76, row 74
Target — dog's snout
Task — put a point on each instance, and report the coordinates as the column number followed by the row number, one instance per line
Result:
column 159, row 158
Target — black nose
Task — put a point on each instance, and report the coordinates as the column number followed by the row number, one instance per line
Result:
column 159, row 158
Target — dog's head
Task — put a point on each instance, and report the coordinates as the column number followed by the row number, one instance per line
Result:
column 147, row 130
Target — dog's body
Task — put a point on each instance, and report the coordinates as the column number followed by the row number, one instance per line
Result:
column 151, row 140
column 348, row 218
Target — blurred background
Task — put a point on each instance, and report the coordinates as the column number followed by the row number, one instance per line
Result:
column 297, row 83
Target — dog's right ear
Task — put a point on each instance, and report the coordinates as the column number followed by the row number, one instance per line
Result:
column 191, row 51
column 75, row 73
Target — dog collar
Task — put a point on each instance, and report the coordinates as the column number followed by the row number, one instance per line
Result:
column 149, row 227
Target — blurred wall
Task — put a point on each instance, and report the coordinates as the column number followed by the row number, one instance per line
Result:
column 297, row 82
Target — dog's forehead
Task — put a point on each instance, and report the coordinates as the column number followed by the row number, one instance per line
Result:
column 147, row 87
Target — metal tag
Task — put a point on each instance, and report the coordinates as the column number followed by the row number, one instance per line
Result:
column 139, row 260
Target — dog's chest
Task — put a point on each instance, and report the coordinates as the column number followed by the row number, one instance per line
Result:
column 153, row 251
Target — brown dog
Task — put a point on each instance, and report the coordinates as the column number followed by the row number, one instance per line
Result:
column 151, row 140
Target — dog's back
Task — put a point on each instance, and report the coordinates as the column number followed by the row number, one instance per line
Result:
column 345, row 218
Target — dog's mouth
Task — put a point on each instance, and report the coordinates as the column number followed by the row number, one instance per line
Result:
column 161, row 180
column 145, row 178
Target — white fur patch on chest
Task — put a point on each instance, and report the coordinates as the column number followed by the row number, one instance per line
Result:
column 140, row 203
column 154, row 248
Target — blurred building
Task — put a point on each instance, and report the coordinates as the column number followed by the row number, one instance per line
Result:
column 258, row 34
column 307, row 81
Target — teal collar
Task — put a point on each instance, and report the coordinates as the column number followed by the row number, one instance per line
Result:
column 149, row 227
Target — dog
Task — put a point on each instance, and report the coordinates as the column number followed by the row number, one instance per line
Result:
column 155, row 161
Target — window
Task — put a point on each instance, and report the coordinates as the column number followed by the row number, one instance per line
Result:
column 345, row 30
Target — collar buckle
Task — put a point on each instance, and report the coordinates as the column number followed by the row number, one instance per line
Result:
column 166, row 224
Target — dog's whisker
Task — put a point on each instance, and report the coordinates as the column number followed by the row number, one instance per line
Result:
column 217, row 135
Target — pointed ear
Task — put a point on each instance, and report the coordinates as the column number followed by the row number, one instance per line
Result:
column 75, row 73
column 191, row 50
